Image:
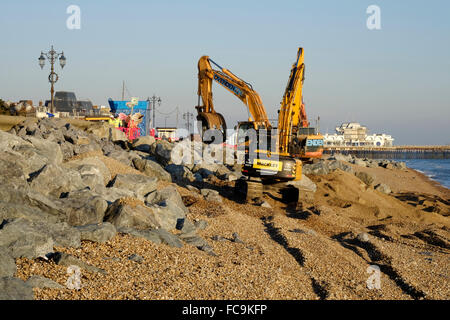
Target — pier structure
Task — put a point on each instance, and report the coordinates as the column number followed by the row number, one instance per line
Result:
column 397, row 152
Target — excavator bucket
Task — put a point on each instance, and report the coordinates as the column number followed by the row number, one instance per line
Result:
column 212, row 127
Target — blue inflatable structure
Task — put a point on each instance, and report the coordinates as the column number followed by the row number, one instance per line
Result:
column 119, row 106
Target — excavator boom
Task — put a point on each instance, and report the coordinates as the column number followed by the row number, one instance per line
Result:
column 289, row 116
column 242, row 90
column 296, row 137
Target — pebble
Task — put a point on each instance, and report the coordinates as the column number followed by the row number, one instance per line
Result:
column 136, row 258
column 218, row 238
column 363, row 237
column 236, row 238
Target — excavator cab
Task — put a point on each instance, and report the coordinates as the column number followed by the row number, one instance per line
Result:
column 242, row 133
column 306, row 144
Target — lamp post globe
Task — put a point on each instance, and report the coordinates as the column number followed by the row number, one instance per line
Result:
column 41, row 60
column 62, row 60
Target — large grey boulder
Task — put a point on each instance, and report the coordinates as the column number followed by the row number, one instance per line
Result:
column 31, row 127
column 152, row 169
column 372, row 164
column 168, row 194
column 387, row 164
column 107, row 146
column 67, row 150
column 341, row 157
column 147, row 234
column 154, row 235
column 143, row 143
column 400, row 165
column 93, row 181
column 53, row 123
column 10, row 211
column 121, row 156
column 12, row 170
column 186, row 226
column 29, row 198
column 90, row 166
column 107, row 132
column 83, row 148
column 336, row 164
column 30, row 205
column 75, row 136
column 22, row 239
column 206, row 166
column 82, row 207
column 169, row 238
column 112, row 194
column 7, row 264
column 140, row 184
column 304, row 184
column 365, row 177
column 15, row 289
column 232, row 176
column 97, row 232
column 179, row 173
column 54, row 180
column 54, row 135
column 61, row 233
column 383, row 188
column 211, row 195
column 360, row 162
column 194, row 240
column 47, row 149
column 42, row 282
column 167, row 213
column 323, row 167
column 319, row 168
column 8, row 141
column 204, row 173
column 162, row 151
column 123, row 214
column 27, row 158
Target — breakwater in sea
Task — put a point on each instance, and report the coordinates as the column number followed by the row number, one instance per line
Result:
column 400, row 152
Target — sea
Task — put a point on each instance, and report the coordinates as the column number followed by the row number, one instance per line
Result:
column 435, row 169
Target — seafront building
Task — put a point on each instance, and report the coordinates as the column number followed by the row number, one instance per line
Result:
column 355, row 135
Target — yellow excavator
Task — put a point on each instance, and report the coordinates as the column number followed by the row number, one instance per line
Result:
column 271, row 155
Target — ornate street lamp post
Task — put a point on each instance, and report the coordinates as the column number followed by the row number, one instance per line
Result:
column 52, row 55
column 154, row 99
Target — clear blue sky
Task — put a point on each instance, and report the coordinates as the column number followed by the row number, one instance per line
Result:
column 394, row 80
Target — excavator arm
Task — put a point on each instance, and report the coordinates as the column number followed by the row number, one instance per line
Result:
column 209, row 118
column 296, row 137
column 292, row 110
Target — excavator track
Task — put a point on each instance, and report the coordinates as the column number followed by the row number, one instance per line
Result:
column 281, row 190
column 248, row 190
